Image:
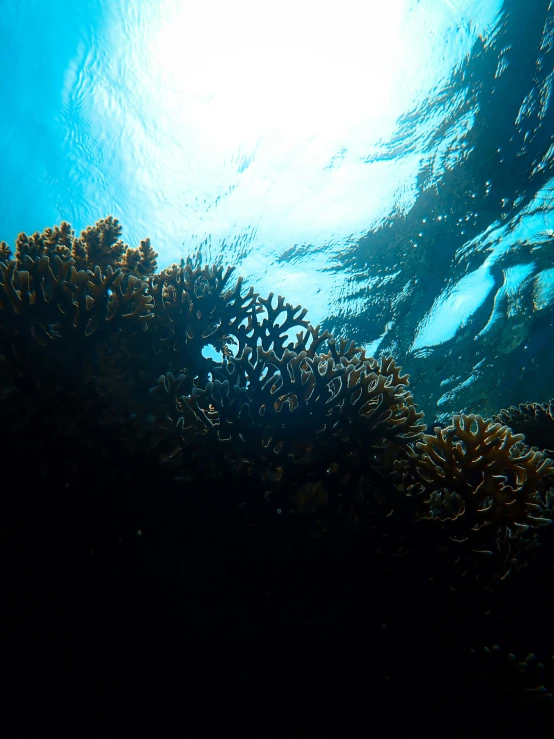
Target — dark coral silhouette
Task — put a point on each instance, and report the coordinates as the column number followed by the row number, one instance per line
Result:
column 103, row 365
column 475, row 479
column 535, row 421
column 308, row 418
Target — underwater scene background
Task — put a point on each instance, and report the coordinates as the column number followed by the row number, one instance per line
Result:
column 333, row 505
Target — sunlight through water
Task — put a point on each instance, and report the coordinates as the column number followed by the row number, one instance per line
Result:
column 265, row 125
column 388, row 166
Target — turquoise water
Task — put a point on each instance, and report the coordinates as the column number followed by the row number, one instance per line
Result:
column 390, row 168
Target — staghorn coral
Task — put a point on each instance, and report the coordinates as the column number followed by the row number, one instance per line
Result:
column 141, row 261
column 535, row 421
column 57, row 241
column 99, row 245
column 5, row 252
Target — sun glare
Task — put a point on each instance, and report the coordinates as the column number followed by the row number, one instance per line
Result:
column 263, row 124
column 280, row 68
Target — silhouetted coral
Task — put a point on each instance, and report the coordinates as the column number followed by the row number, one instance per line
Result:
column 97, row 246
column 482, row 487
column 5, row 252
column 297, row 417
column 53, row 300
column 535, row 421
column 141, row 261
column 301, row 447
column 100, row 245
column 57, row 241
column 58, row 323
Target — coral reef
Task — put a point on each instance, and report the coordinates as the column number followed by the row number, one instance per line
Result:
column 298, row 417
column 475, row 479
column 486, row 489
column 312, row 422
column 535, row 421
column 293, row 441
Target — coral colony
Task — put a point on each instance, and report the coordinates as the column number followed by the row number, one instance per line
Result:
column 309, row 427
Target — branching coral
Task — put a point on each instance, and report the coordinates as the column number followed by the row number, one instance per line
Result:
column 477, row 483
column 52, row 293
column 97, row 246
column 303, row 420
column 312, row 418
column 53, row 305
column 103, row 364
column 141, row 261
column 535, row 421
column 193, row 308
column 60, row 319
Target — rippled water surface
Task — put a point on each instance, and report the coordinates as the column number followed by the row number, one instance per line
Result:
column 389, row 168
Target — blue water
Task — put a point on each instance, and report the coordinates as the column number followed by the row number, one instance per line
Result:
column 391, row 169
